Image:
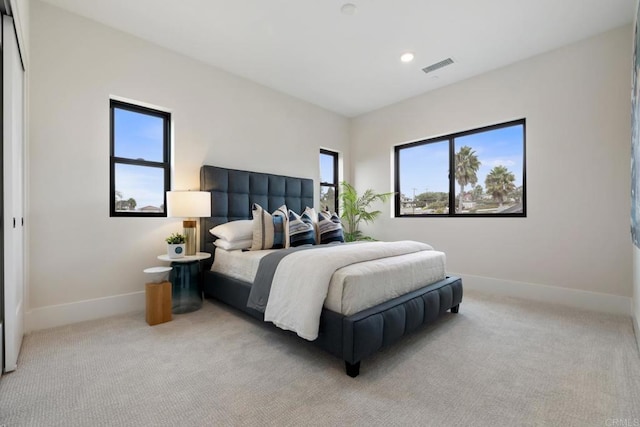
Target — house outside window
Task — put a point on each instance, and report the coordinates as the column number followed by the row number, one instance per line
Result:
column 139, row 160
column 329, row 185
column 475, row 173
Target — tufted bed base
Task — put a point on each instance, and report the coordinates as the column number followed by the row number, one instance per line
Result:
column 351, row 338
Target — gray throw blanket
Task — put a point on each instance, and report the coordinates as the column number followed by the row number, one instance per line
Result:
column 259, row 294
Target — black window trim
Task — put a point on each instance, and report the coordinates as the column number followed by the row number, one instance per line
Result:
column 336, row 183
column 452, row 182
column 165, row 165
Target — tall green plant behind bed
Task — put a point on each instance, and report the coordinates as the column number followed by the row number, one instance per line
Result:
column 356, row 208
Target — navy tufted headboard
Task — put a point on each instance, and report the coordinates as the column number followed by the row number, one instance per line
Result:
column 233, row 192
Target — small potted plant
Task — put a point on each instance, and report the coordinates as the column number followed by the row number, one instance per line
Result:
column 175, row 245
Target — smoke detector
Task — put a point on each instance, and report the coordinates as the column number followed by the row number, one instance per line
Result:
column 348, row 9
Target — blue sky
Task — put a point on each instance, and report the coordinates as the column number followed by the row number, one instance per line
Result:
column 326, row 168
column 139, row 136
column 423, row 168
column 144, row 184
column 426, row 167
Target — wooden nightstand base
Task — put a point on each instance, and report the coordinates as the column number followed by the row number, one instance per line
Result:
column 158, row 308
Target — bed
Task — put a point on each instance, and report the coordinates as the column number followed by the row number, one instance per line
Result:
column 352, row 336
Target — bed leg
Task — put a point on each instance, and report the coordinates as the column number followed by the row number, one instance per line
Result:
column 455, row 309
column 352, row 370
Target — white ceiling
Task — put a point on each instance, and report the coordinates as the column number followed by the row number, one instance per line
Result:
column 350, row 63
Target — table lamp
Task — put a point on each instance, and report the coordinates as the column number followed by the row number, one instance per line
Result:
column 189, row 204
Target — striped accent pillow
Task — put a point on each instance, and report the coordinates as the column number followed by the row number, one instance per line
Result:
column 301, row 231
column 270, row 231
column 311, row 213
column 329, row 228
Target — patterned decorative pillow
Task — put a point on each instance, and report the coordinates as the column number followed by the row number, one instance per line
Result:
column 270, row 231
column 301, row 231
column 311, row 213
column 329, row 228
column 280, row 228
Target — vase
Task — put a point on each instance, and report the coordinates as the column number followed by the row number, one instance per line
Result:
column 175, row 250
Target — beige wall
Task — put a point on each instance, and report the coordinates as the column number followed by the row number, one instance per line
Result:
column 636, row 251
column 636, row 293
column 77, row 252
column 576, row 102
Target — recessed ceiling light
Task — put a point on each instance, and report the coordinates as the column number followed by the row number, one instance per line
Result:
column 407, row 57
column 348, row 9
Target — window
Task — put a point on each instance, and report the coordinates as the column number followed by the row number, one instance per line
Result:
column 480, row 172
column 139, row 160
column 329, row 180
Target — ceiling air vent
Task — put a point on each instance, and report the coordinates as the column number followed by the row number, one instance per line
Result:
column 438, row 65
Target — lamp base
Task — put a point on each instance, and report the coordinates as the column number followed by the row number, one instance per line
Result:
column 190, row 235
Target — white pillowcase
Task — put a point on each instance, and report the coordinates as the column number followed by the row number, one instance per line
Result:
column 234, row 231
column 232, row 246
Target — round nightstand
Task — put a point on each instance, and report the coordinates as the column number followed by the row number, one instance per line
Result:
column 186, row 293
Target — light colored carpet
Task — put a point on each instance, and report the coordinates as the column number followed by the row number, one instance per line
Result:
column 500, row 361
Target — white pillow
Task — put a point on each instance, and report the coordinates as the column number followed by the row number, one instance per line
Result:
column 233, row 231
column 232, row 246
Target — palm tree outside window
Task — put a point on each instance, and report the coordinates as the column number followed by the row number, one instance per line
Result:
column 467, row 165
column 479, row 172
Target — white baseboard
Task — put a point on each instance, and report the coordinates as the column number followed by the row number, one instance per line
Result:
column 577, row 298
column 1, row 351
column 64, row 314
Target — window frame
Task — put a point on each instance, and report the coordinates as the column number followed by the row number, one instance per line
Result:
column 336, row 183
column 452, row 180
column 165, row 165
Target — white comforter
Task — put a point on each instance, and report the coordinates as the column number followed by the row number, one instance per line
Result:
column 301, row 281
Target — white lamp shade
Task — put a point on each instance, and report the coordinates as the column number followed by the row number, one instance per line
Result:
column 188, row 204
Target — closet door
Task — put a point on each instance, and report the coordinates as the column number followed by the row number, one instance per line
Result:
column 13, row 198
